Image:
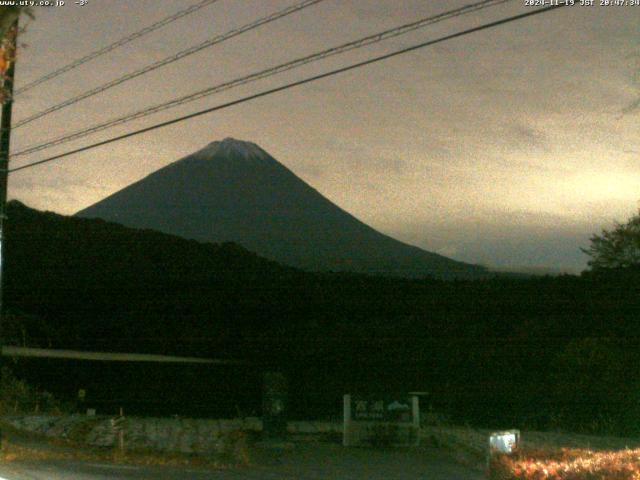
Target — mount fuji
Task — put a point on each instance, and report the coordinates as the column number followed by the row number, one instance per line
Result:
column 234, row 191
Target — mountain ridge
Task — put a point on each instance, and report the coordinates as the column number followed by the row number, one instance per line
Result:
column 232, row 190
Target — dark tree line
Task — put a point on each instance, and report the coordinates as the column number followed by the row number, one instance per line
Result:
column 532, row 352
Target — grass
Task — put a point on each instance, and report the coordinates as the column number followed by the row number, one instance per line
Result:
column 466, row 445
column 15, row 452
column 566, row 464
column 543, row 455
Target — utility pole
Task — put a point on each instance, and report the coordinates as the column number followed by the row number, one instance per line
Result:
column 5, row 136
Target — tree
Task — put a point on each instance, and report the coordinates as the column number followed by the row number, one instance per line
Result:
column 8, row 16
column 595, row 386
column 617, row 248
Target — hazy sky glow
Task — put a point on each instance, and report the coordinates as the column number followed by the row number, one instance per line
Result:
column 507, row 147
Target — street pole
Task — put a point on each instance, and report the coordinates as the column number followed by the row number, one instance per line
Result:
column 5, row 137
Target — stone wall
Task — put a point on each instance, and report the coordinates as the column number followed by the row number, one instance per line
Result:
column 184, row 435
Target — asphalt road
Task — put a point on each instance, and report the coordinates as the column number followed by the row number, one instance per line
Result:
column 313, row 461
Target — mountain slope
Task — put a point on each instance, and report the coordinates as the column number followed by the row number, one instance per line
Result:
column 235, row 191
column 105, row 286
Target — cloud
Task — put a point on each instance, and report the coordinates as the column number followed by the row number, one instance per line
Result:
column 446, row 147
column 359, row 157
column 510, row 239
column 526, row 137
column 633, row 107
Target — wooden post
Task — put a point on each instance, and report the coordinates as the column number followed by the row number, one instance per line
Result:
column 346, row 427
column 5, row 137
column 121, row 432
column 415, row 415
column 274, row 406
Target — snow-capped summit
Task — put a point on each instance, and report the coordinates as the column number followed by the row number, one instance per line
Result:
column 236, row 148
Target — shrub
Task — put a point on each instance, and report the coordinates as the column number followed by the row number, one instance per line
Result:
column 18, row 397
column 234, row 448
column 566, row 464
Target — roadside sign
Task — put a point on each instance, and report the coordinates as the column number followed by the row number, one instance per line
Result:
column 504, row 442
column 274, row 406
column 118, row 426
column 394, row 420
column 381, row 409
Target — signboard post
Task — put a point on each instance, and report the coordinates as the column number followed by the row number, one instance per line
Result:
column 381, row 419
column 505, row 442
column 118, row 425
column 274, row 406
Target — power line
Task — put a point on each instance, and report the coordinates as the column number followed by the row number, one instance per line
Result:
column 295, row 84
column 117, row 44
column 362, row 42
column 173, row 58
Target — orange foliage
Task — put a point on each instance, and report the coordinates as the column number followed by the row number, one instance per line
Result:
column 566, row 464
column 7, row 55
column 4, row 62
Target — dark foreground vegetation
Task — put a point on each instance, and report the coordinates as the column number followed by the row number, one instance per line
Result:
column 566, row 464
column 550, row 352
